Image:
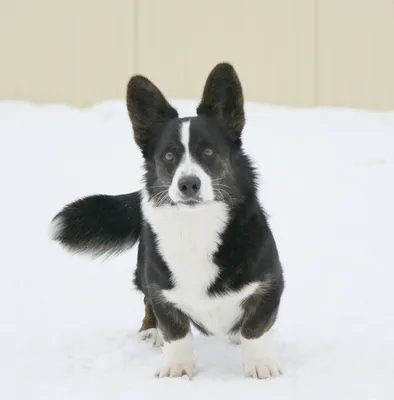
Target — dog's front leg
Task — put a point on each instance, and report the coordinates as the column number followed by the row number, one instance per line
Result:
column 178, row 354
column 259, row 358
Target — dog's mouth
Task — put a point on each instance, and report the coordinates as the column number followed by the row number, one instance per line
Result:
column 190, row 202
column 185, row 203
column 164, row 199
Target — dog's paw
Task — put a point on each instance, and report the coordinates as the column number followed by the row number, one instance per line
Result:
column 262, row 369
column 152, row 335
column 177, row 370
column 235, row 339
column 178, row 358
column 259, row 358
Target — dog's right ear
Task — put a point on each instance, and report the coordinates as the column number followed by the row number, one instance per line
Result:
column 147, row 107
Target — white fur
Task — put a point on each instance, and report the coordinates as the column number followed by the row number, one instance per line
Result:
column 55, row 228
column 188, row 166
column 259, row 358
column 178, row 358
column 235, row 339
column 187, row 239
column 218, row 315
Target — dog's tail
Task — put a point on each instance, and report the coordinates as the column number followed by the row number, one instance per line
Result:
column 99, row 225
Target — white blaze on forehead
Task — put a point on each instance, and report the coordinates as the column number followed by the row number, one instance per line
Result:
column 189, row 166
column 185, row 138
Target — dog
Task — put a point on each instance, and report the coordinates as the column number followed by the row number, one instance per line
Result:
column 206, row 255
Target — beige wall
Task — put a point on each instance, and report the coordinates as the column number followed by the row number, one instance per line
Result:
column 290, row 52
column 355, row 53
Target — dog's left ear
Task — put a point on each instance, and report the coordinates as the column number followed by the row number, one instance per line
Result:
column 223, row 100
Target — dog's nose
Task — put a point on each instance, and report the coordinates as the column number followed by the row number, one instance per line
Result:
column 189, row 185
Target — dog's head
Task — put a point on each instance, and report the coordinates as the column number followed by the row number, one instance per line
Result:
column 194, row 160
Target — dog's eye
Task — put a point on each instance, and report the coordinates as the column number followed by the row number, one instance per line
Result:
column 169, row 156
column 208, row 152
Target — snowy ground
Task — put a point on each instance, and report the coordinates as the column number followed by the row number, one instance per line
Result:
column 68, row 323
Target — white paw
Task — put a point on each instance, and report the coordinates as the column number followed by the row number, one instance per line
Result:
column 178, row 358
column 177, row 370
column 235, row 339
column 153, row 335
column 262, row 369
column 259, row 358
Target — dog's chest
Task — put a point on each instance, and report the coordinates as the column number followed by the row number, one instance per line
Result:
column 216, row 314
column 187, row 240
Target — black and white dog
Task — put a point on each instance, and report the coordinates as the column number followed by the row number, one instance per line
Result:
column 206, row 254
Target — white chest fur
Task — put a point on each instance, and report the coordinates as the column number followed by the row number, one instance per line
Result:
column 187, row 239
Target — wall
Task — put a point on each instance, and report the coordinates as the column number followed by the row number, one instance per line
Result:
column 289, row 52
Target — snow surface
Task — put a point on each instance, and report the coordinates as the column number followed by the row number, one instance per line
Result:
column 68, row 324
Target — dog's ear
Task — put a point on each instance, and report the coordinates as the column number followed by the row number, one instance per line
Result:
column 147, row 107
column 223, row 100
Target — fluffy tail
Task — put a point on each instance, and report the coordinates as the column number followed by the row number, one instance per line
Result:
column 99, row 225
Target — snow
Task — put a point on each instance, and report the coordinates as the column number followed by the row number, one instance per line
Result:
column 69, row 323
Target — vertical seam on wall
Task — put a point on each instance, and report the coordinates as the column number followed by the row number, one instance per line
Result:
column 316, row 56
column 136, row 39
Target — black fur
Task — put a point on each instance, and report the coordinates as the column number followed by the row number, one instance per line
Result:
column 148, row 109
column 223, row 100
column 100, row 224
